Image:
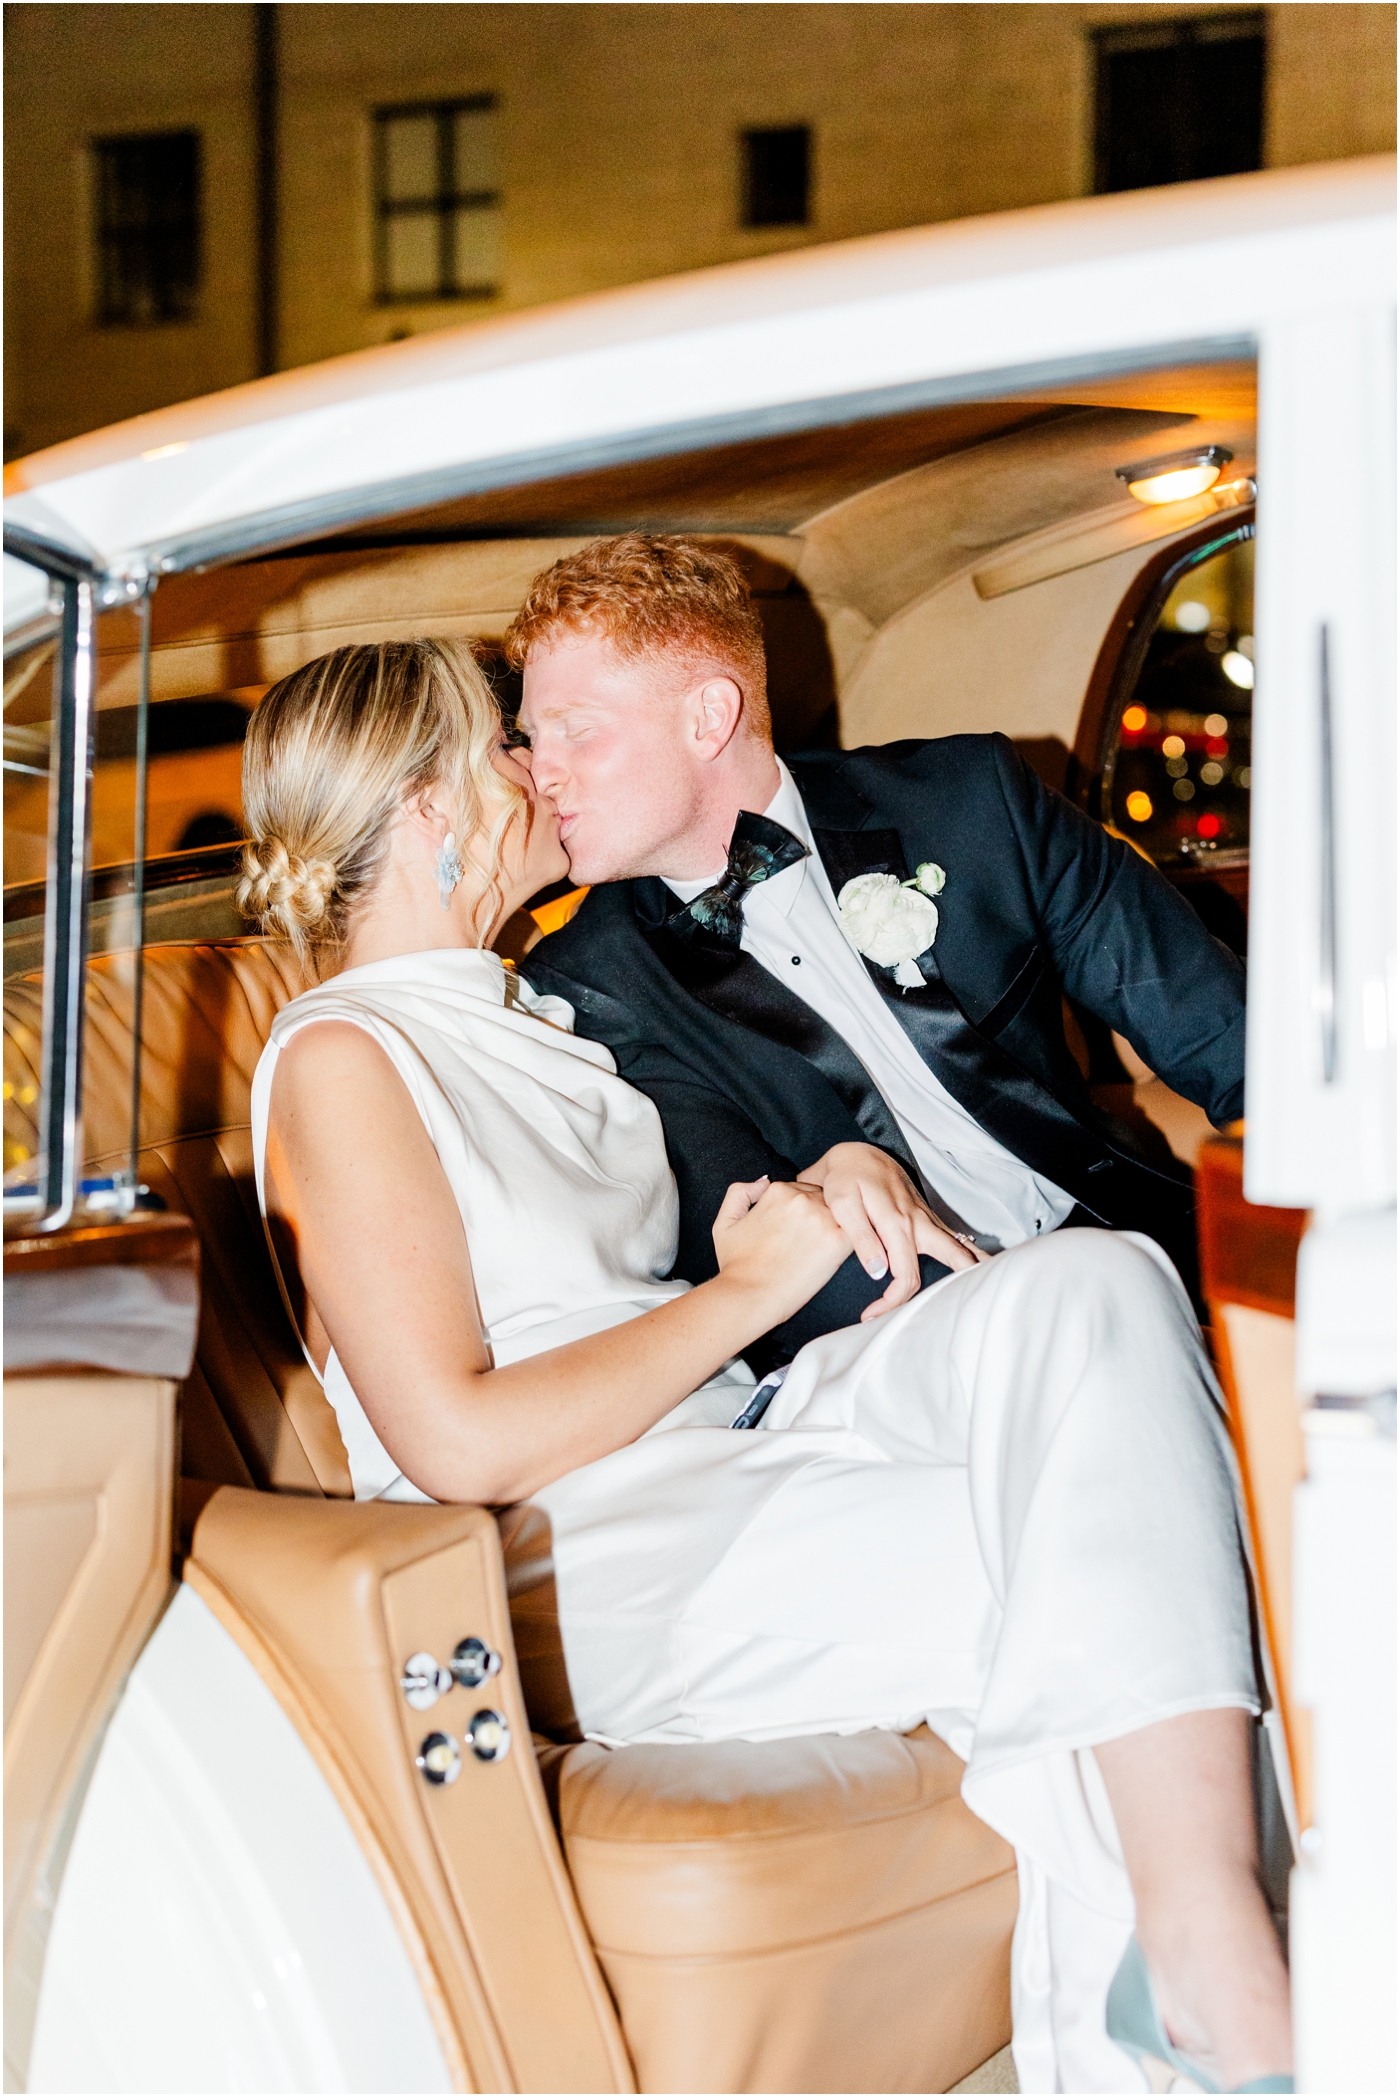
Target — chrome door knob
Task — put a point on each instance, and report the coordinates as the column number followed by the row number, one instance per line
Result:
column 439, row 1758
column 488, row 1737
column 423, row 1681
column 474, row 1662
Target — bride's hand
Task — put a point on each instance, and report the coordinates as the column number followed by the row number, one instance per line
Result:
column 779, row 1239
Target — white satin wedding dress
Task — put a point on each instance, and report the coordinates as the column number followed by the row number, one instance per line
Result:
column 1007, row 1509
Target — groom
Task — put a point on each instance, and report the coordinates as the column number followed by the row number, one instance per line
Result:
column 848, row 967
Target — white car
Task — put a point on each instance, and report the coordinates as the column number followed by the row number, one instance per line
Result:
column 310, row 1813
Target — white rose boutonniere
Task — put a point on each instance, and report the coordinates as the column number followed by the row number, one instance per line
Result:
column 891, row 921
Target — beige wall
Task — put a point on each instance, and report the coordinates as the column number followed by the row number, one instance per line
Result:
column 1333, row 88
column 618, row 136
column 78, row 72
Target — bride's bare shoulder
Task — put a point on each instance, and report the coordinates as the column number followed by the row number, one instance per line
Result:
column 330, row 1044
column 331, row 1067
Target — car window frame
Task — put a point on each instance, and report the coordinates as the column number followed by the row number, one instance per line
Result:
column 1123, row 652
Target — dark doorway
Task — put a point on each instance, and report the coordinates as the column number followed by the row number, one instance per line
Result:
column 1178, row 101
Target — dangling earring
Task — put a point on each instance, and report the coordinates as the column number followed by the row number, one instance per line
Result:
column 447, row 870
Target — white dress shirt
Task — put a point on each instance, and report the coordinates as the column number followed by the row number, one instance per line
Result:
column 970, row 1181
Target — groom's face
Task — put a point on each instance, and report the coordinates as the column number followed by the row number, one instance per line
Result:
column 613, row 744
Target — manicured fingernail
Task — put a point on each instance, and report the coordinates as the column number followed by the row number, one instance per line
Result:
column 877, row 1269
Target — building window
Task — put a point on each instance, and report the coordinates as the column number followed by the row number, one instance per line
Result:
column 437, row 201
column 775, row 176
column 148, row 193
column 1178, row 101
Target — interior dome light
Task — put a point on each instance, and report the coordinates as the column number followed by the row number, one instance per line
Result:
column 1176, row 474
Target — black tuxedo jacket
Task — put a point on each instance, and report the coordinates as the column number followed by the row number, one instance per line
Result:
column 1039, row 901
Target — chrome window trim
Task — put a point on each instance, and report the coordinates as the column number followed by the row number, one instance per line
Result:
column 42, row 628
column 65, row 916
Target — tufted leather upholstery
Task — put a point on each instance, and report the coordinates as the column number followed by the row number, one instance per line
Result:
column 803, row 1915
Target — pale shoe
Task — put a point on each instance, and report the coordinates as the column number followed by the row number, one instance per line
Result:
column 1134, row 2022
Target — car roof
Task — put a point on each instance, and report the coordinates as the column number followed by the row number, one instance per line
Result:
column 1000, row 303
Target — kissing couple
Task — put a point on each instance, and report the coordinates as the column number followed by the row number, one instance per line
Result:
column 782, row 1135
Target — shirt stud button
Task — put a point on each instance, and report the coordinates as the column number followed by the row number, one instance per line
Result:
column 797, row 961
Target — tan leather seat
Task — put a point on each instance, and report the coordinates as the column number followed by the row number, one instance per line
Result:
column 820, row 1914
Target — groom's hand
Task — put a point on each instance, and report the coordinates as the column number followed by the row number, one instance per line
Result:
column 885, row 1218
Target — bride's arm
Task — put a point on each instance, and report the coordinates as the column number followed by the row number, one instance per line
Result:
column 355, row 1188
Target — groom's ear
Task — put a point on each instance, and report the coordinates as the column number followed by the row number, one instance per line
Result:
column 718, row 708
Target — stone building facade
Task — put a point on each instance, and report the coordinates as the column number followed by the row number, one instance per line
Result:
column 616, row 134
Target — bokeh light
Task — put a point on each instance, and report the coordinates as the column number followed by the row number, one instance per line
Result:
column 1208, row 826
column 1139, row 807
column 1135, row 719
column 1173, row 746
column 1216, row 724
column 1239, row 669
column 1192, row 616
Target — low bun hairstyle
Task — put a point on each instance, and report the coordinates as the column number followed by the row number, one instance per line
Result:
column 331, row 756
column 284, row 892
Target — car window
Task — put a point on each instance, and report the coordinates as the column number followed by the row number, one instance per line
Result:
column 1178, row 775
column 176, row 725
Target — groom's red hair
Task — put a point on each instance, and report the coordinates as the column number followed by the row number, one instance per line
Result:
column 652, row 595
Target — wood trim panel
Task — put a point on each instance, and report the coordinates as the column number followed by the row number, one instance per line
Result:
column 1249, row 1258
column 142, row 1240
column 1249, row 1253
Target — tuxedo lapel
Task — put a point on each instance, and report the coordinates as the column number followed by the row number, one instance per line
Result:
column 736, row 987
column 972, row 1067
column 997, row 1091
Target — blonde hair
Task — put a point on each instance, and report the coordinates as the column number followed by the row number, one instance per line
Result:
column 652, row 594
column 331, row 756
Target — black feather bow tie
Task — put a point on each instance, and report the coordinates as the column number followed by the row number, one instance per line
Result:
column 758, row 850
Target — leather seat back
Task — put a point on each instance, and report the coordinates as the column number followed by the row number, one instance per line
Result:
column 253, row 1412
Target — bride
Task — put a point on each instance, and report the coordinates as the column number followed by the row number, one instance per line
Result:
column 1005, row 1508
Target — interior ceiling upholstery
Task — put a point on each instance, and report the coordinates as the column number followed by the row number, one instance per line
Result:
column 893, row 543
column 1230, row 390
column 767, row 484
